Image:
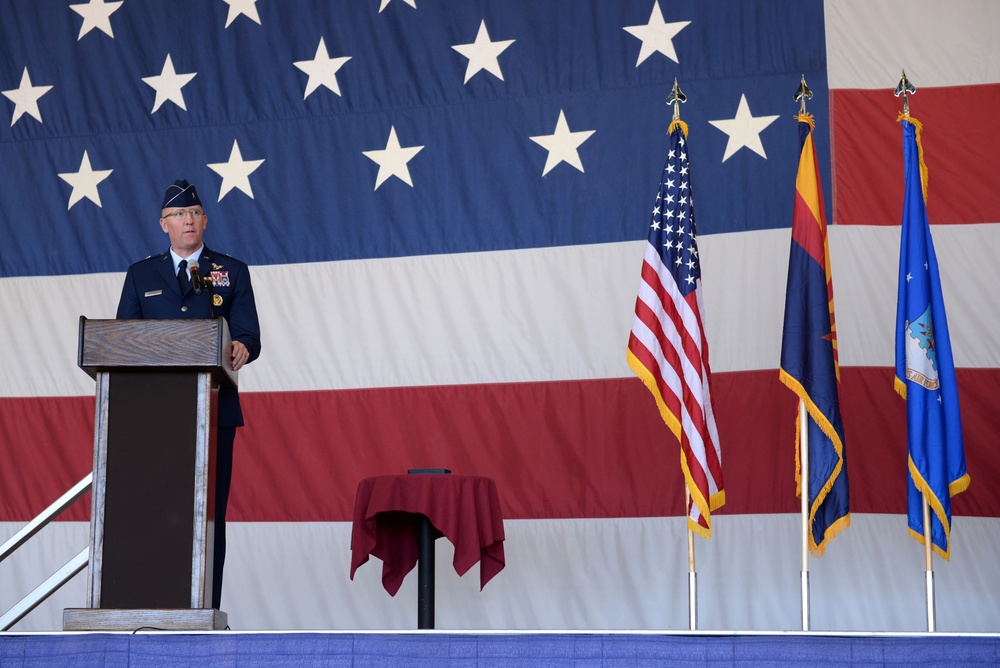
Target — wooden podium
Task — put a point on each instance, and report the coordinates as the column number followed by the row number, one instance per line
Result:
column 151, row 526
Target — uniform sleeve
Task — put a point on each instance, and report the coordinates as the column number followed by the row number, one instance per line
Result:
column 129, row 307
column 243, row 323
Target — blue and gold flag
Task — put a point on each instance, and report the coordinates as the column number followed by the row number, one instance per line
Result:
column 925, row 371
column 809, row 361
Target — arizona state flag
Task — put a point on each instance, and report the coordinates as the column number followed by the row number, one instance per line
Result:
column 809, row 364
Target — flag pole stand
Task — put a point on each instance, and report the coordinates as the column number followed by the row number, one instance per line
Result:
column 804, row 496
column 929, row 567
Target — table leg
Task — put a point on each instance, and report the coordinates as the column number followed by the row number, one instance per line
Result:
column 425, row 574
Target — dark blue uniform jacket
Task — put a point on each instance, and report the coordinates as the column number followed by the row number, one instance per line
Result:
column 151, row 292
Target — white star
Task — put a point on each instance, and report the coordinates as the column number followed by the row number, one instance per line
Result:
column 235, row 173
column 392, row 160
column 85, row 182
column 96, row 14
column 909, row 277
column 322, row 70
column 562, row 144
column 744, row 130
column 385, row 3
column 25, row 98
column 247, row 8
column 483, row 54
column 168, row 84
column 657, row 35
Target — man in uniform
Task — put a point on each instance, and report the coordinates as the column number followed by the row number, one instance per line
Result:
column 162, row 286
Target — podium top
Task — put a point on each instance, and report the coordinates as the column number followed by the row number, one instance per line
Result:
column 201, row 344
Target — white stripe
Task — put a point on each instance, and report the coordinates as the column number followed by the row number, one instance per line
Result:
column 582, row 574
column 707, row 406
column 649, row 296
column 938, row 44
column 516, row 316
column 688, row 317
column 695, row 442
column 692, row 376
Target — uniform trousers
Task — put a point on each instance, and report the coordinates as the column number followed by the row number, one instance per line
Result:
column 225, row 438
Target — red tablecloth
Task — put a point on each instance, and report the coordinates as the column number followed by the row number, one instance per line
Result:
column 463, row 508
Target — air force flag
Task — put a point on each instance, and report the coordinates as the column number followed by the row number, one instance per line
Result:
column 925, row 371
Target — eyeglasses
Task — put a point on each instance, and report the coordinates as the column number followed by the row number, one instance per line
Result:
column 181, row 214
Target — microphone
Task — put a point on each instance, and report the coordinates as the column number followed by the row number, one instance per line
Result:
column 197, row 282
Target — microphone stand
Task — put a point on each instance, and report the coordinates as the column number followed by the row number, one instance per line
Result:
column 211, row 296
column 200, row 283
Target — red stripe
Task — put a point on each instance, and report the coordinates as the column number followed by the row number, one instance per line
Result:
column 705, row 370
column 648, row 360
column 961, row 148
column 806, row 230
column 665, row 294
column 670, row 354
column 692, row 400
column 691, row 397
column 562, row 449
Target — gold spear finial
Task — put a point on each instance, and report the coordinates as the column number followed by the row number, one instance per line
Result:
column 675, row 98
column 905, row 88
column 803, row 94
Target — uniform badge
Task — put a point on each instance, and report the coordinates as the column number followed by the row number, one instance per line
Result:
column 220, row 279
column 216, row 267
column 217, row 300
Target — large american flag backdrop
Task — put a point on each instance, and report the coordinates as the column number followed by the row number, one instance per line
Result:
column 444, row 204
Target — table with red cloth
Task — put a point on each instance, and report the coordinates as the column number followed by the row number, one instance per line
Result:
column 463, row 508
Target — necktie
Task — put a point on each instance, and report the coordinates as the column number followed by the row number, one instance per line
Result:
column 182, row 277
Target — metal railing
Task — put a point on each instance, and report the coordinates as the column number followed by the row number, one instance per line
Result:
column 60, row 577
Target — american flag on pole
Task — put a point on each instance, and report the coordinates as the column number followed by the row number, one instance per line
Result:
column 667, row 348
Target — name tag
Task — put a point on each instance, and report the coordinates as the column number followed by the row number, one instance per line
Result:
column 153, row 293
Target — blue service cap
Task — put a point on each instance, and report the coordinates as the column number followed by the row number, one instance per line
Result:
column 180, row 193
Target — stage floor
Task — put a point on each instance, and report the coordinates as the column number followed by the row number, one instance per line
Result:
column 500, row 649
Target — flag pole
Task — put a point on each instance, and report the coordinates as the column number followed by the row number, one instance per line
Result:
column 804, row 494
column 692, row 571
column 928, row 566
column 675, row 98
column 801, row 95
column 906, row 88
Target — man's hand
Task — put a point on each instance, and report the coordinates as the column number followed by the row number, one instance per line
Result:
column 240, row 355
